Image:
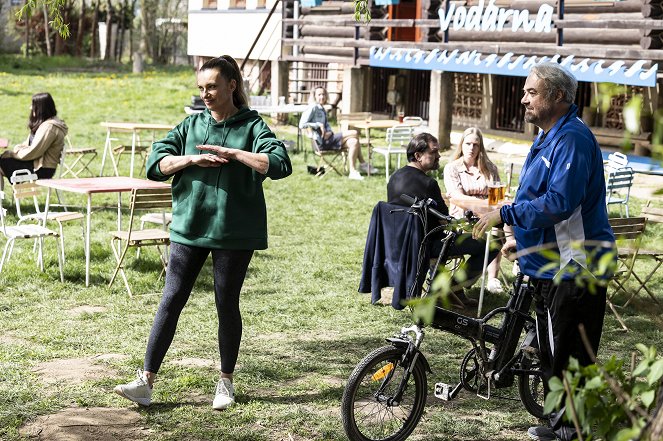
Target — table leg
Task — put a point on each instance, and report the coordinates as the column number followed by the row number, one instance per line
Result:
column 119, row 220
column 368, row 146
column 489, row 235
column 87, row 239
column 107, row 150
column 133, row 153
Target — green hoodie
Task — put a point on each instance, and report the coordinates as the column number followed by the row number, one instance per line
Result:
column 220, row 207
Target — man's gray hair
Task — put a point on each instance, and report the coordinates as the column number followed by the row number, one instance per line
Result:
column 555, row 78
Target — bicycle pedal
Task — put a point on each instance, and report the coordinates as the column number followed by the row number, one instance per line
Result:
column 442, row 391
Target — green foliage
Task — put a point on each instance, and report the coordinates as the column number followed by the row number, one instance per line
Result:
column 54, row 9
column 606, row 402
column 362, row 11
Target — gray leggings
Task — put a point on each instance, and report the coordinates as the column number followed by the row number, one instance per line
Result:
column 184, row 265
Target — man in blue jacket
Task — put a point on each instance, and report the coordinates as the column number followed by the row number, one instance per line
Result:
column 559, row 207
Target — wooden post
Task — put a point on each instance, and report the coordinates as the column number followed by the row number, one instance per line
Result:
column 440, row 110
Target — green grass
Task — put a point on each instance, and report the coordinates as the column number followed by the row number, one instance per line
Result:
column 305, row 325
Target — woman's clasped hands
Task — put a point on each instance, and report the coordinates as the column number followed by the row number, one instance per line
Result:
column 216, row 157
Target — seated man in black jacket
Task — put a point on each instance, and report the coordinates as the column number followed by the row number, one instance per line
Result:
column 423, row 156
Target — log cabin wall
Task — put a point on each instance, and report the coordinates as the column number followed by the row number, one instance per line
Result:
column 612, row 31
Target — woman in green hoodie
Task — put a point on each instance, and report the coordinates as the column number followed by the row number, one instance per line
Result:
column 42, row 149
column 218, row 160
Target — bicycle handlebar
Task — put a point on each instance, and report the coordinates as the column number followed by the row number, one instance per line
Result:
column 427, row 203
column 420, row 204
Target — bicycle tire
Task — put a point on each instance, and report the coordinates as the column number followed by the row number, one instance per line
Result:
column 367, row 418
column 531, row 389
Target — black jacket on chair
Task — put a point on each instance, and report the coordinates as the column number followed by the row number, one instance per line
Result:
column 390, row 255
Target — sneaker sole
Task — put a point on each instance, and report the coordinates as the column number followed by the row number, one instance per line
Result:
column 222, row 406
column 145, row 402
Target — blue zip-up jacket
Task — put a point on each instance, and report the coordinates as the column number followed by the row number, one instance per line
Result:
column 560, row 202
column 311, row 117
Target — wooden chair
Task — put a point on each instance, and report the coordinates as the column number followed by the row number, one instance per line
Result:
column 618, row 188
column 141, row 199
column 651, row 214
column 328, row 159
column 26, row 231
column 82, row 157
column 118, row 151
column 397, row 139
column 628, row 234
column 24, row 185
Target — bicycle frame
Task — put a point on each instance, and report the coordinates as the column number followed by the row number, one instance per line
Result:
column 498, row 364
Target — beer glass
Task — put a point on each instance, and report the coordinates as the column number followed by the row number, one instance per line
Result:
column 493, row 193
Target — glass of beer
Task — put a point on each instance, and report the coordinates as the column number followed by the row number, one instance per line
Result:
column 500, row 193
column 493, row 192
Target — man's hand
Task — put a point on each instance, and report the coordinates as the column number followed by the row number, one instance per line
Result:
column 485, row 223
column 509, row 249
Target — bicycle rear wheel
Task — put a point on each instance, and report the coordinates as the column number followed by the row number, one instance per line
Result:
column 531, row 388
column 367, row 409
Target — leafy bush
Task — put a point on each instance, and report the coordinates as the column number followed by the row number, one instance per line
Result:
column 603, row 401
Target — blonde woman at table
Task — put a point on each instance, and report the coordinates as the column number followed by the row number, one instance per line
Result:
column 467, row 177
column 315, row 118
column 42, row 149
column 218, row 160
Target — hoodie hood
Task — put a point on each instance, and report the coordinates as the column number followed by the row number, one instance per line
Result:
column 57, row 122
column 243, row 113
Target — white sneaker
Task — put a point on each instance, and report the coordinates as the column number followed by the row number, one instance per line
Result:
column 354, row 174
column 137, row 391
column 364, row 167
column 225, row 394
column 494, row 286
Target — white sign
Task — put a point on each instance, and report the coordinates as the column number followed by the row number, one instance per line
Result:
column 493, row 18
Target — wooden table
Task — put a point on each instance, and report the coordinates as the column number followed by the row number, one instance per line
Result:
column 377, row 124
column 135, row 129
column 480, row 208
column 90, row 186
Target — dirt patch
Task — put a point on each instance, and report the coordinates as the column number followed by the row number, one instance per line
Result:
column 195, row 362
column 79, row 423
column 73, row 370
column 87, row 309
column 8, row 339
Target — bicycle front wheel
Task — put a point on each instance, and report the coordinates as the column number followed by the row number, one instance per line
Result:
column 368, row 409
column 532, row 389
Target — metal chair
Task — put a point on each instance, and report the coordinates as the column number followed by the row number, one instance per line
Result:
column 24, row 186
column 327, row 159
column 82, row 158
column 618, row 188
column 27, row 231
column 141, row 199
column 397, row 138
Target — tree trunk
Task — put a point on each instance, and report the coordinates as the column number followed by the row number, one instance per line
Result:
column 47, row 31
column 93, row 31
column 78, row 50
column 28, row 18
column 109, row 26
column 120, row 33
column 60, row 46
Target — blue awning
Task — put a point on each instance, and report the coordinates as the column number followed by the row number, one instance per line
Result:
column 513, row 65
